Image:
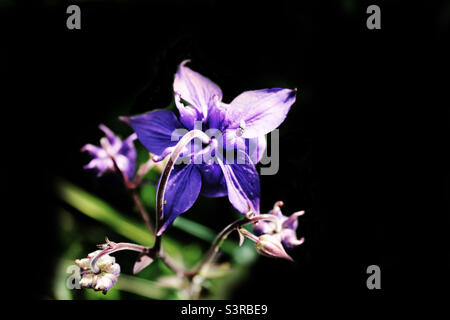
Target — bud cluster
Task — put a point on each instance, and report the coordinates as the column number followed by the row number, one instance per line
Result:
column 274, row 234
column 105, row 278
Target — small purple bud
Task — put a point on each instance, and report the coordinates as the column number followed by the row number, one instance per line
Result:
column 270, row 246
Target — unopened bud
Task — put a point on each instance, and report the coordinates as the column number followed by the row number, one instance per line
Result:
column 105, row 278
column 270, row 246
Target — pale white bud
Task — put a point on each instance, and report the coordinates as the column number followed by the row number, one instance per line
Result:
column 105, row 278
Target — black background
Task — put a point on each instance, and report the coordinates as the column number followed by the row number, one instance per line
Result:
column 352, row 147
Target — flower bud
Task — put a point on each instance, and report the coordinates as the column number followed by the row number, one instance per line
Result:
column 103, row 280
column 270, row 246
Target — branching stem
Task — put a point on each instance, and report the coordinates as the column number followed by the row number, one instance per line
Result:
column 157, row 250
column 114, row 248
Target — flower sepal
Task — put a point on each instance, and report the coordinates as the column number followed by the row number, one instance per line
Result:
column 142, row 262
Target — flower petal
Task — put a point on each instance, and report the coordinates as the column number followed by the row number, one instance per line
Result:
column 182, row 190
column 264, row 227
column 114, row 141
column 292, row 221
column 129, row 152
column 188, row 114
column 94, row 151
column 216, row 114
column 195, row 89
column 255, row 148
column 156, row 130
column 260, row 111
column 101, row 165
column 289, row 238
column 231, row 141
column 213, row 181
column 242, row 183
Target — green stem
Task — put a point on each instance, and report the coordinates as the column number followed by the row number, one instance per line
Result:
column 116, row 247
column 224, row 234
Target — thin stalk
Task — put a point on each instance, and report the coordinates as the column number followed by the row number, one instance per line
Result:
column 224, row 234
column 114, row 248
column 132, row 186
column 172, row 264
column 142, row 211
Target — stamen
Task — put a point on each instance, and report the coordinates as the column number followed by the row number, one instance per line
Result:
column 241, row 129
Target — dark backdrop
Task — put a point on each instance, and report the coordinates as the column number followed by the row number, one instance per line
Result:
column 342, row 147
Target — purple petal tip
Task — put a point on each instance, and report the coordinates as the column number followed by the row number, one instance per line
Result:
column 184, row 62
column 124, row 119
column 160, row 232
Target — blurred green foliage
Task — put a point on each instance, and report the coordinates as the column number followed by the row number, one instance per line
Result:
column 156, row 281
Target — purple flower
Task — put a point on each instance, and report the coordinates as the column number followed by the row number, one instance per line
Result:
column 288, row 226
column 112, row 147
column 239, row 126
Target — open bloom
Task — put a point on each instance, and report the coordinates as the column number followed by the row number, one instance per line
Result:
column 112, row 147
column 288, row 226
column 105, row 278
column 239, row 126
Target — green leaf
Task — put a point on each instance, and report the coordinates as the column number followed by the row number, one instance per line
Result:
column 99, row 210
column 148, row 196
column 112, row 294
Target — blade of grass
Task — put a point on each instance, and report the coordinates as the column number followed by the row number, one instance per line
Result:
column 99, row 210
